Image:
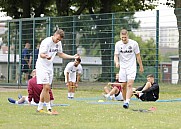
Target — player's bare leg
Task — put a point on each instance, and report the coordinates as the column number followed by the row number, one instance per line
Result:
column 128, row 93
column 124, row 90
column 106, row 89
column 69, row 90
column 45, row 97
column 148, row 85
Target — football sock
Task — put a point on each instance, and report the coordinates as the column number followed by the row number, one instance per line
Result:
column 40, row 106
column 127, row 100
column 69, row 94
column 48, row 106
column 72, row 95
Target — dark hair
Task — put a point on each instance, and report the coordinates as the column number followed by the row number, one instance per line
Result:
column 78, row 59
column 60, row 32
column 150, row 75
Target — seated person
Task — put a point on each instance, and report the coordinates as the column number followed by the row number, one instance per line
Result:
column 148, row 92
column 115, row 92
column 34, row 91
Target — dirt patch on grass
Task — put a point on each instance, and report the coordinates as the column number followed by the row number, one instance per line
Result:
column 9, row 89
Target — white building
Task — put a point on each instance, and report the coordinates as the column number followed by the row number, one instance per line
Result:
column 175, row 61
column 92, row 67
column 168, row 31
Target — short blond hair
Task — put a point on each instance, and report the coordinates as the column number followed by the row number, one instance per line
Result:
column 60, row 32
column 123, row 32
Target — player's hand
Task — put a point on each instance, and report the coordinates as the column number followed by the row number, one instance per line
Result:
column 76, row 56
column 141, row 69
column 48, row 57
column 76, row 85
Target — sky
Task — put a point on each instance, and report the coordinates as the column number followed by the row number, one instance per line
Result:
column 148, row 18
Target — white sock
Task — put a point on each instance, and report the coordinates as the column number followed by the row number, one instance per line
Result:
column 108, row 95
column 48, row 105
column 69, row 94
column 16, row 102
column 40, row 106
column 140, row 94
column 72, row 95
column 127, row 100
column 124, row 101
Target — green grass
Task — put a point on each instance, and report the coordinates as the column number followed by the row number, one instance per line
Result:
column 83, row 115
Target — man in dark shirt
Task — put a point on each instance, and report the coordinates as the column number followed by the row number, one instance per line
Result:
column 34, row 91
column 149, row 91
column 34, row 55
column 25, row 61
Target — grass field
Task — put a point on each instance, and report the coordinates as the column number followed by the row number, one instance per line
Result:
column 82, row 114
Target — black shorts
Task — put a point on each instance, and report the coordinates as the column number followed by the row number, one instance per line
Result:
column 25, row 68
column 148, row 97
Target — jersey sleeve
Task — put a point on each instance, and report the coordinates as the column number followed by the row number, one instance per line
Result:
column 68, row 67
column 116, row 51
column 43, row 47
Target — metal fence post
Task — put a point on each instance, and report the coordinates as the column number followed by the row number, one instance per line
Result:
column 157, row 44
column 73, row 44
column 8, row 50
column 20, row 51
column 112, row 49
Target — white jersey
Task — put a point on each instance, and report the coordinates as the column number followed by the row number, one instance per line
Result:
column 71, row 69
column 127, row 53
column 48, row 47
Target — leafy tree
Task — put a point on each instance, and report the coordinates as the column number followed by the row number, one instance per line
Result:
column 23, row 8
column 177, row 11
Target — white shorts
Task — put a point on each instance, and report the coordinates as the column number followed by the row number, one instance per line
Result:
column 118, row 98
column 126, row 74
column 44, row 76
column 72, row 77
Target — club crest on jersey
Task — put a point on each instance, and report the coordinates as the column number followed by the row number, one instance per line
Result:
column 129, row 47
column 56, row 46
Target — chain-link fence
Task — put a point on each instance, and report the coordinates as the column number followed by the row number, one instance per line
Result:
column 93, row 37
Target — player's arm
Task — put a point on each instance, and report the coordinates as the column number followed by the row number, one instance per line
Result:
column 66, row 56
column 140, row 62
column 67, row 76
column 116, row 60
column 78, row 77
column 30, row 61
column 44, row 56
column 152, row 88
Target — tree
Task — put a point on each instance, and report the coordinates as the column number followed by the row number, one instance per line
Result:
column 92, row 7
column 177, row 12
